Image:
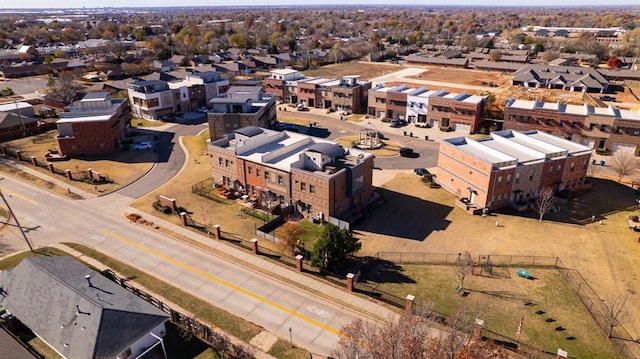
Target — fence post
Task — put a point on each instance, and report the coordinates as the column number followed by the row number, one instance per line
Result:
column 3, row 149
column 50, row 165
column 19, row 155
column 216, row 232
column 34, row 160
column 477, row 329
column 408, row 303
column 183, row 218
column 350, row 277
column 68, row 174
column 254, row 247
column 299, row 258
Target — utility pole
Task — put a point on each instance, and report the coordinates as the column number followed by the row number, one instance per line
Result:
column 17, row 223
column 20, row 117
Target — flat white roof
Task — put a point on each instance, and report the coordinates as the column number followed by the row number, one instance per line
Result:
column 479, row 150
column 14, row 105
column 284, row 71
column 84, row 119
column 572, row 147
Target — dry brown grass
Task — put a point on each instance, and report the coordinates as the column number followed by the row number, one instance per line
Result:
column 202, row 209
column 366, row 70
column 122, row 168
column 605, row 254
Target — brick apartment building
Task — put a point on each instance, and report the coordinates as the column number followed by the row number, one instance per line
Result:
column 281, row 84
column 344, row 94
column 317, row 177
column 153, row 99
column 94, row 125
column 241, row 106
column 602, row 128
column 460, row 112
column 510, row 168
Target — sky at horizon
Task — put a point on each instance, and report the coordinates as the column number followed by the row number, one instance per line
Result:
column 47, row 4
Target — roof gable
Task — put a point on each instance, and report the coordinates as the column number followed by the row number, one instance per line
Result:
column 52, row 296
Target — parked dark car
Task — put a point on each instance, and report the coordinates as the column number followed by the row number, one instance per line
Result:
column 406, row 152
column 607, row 98
column 420, row 171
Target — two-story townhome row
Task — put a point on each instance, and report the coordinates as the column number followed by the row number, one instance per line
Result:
column 347, row 93
column 316, row 176
column 602, row 128
column 153, row 99
column 510, row 168
column 460, row 112
column 94, row 125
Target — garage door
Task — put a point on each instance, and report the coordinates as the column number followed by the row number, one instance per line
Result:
column 459, row 127
column 622, row 147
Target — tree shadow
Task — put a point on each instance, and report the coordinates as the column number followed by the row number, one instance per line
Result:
column 385, row 272
column 501, row 294
column 404, row 216
column 163, row 145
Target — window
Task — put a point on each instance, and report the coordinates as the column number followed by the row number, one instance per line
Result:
column 573, row 164
column 220, row 161
column 253, row 190
column 550, row 169
column 517, row 180
column 312, row 188
column 266, row 175
column 250, row 169
column 303, row 186
column 257, row 172
column 499, row 185
column 559, row 167
column 226, row 163
column 279, row 180
column 499, row 198
column 508, row 180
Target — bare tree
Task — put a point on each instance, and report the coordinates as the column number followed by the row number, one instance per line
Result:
column 614, row 312
column 465, row 264
column 624, row 163
column 65, row 88
column 544, row 202
column 593, row 170
column 405, row 337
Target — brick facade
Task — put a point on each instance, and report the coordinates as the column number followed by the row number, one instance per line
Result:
column 486, row 173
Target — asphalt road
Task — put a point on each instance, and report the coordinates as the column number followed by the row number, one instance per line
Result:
column 170, row 157
column 99, row 223
column 426, row 151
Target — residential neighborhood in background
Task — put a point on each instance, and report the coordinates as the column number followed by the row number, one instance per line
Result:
column 308, row 115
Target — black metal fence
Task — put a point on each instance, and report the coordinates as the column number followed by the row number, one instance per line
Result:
column 207, row 190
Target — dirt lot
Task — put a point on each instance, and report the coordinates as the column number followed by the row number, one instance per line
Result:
column 463, row 76
column 366, row 70
column 122, row 168
column 415, row 218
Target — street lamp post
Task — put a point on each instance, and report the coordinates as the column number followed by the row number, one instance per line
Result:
column 291, row 336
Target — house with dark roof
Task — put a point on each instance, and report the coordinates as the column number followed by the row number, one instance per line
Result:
column 317, row 177
column 572, row 78
column 79, row 313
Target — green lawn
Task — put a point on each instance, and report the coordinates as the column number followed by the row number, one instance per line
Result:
column 554, row 316
column 140, row 123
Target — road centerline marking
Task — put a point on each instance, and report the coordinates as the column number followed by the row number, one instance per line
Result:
column 220, row 281
column 13, row 194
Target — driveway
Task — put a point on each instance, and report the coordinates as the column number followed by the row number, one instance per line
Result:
column 170, row 157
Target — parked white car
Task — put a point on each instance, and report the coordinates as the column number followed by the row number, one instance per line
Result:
column 144, row 145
